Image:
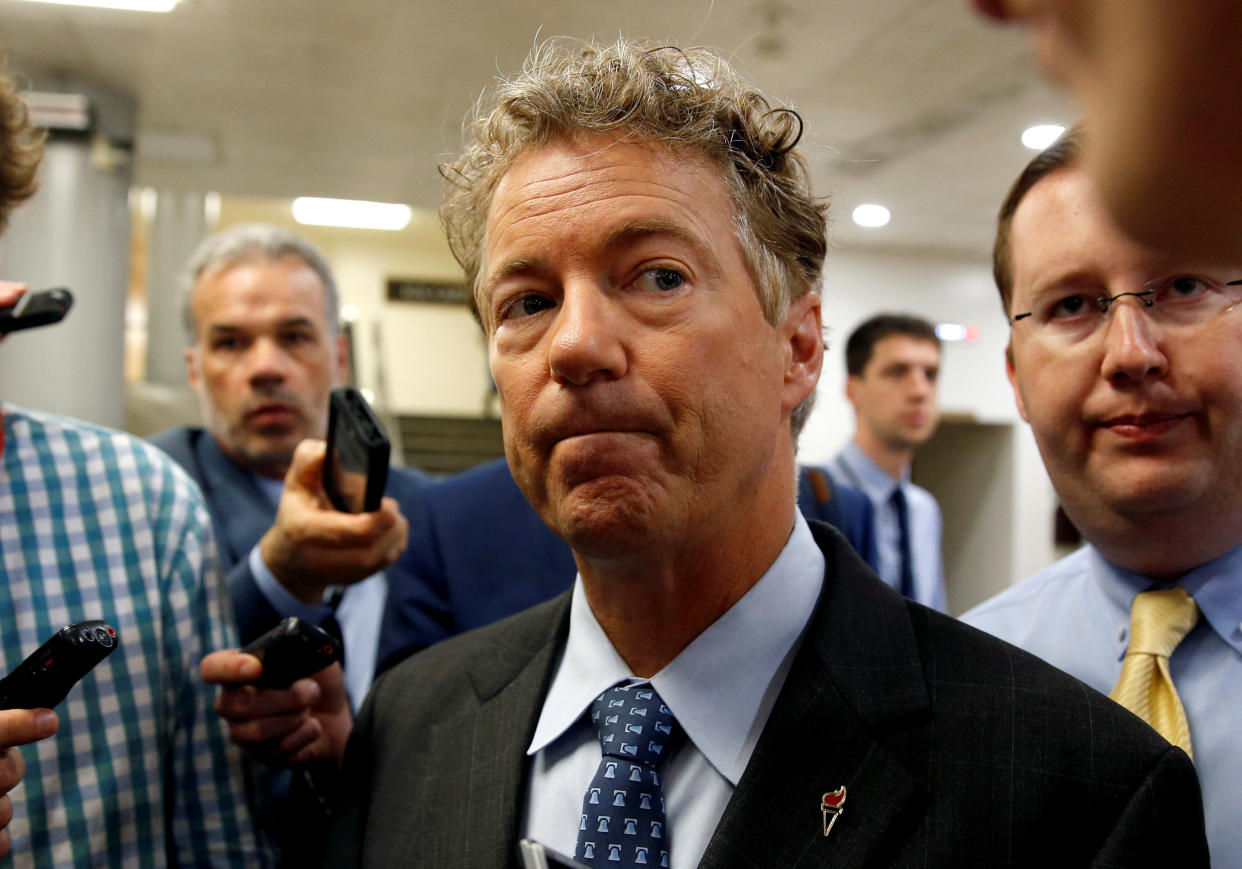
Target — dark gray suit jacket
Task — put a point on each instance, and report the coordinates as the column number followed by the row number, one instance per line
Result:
column 957, row 749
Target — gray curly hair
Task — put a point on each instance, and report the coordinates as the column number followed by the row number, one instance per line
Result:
column 686, row 99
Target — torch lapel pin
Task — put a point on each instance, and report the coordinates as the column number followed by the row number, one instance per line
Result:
column 832, row 806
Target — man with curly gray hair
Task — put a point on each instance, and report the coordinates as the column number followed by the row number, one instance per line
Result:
column 725, row 684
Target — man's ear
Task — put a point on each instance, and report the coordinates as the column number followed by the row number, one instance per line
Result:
column 1013, row 382
column 195, row 376
column 803, row 329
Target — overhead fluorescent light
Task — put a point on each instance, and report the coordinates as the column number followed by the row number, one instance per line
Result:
column 352, row 213
column 871, row 215
column 1041, row 136
column 128, row 5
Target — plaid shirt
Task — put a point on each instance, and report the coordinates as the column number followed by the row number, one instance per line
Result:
column 95, row 524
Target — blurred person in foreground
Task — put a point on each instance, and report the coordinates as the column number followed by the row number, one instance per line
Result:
column 1127, row 364
column 95, row 524
column 1159, row 82
column 645, row 255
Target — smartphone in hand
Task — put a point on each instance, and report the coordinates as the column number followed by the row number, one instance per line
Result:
column 43, row 679
column 40, row 308
column 355, row 469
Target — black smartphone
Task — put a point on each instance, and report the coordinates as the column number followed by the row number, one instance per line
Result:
column 293, row 650
column 40, row 308
column 42, row 680
column 355, row 469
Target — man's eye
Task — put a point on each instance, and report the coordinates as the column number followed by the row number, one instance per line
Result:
column 1069, row 306
column 226, row 344
column 526, row 306
column 1183, row 287
column 663, row 279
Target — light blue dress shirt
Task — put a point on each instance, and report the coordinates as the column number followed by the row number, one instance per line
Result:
column 359, row 613
column 1076, row 615
column 721, row 689
column 855, row 468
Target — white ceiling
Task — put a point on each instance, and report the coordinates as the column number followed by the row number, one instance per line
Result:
column 912, row 103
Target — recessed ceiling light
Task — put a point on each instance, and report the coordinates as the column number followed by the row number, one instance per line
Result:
column 871, row 215
column 352, row 213
column 129, row 5
column 1041, row 136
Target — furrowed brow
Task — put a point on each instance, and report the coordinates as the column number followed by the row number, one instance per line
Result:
column 635, row 231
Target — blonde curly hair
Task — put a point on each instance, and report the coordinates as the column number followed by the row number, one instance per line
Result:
column 21, row 149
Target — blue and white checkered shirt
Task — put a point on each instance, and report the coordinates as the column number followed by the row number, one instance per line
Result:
column 95, row 524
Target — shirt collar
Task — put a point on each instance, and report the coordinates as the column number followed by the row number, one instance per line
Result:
column 738, row 663
column 1216, row 587
column 873, row 478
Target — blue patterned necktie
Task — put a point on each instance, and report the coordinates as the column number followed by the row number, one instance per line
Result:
column 623, row 822
column 906, row 581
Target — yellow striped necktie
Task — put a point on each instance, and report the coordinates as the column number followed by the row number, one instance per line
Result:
column 1158, row 622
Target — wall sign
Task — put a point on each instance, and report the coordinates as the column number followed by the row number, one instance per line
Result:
column 421, row 290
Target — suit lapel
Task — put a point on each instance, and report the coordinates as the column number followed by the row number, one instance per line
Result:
column 852, row 712
column 485, row 796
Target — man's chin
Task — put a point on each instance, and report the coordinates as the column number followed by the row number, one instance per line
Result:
column 615, row 524
column 267, row 457
column 1142, row 494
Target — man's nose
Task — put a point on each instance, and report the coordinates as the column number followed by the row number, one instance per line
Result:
column 586, row 342
column 1133, row 344
column 266, row 362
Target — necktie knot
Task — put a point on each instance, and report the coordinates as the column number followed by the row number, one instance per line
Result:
column 633, row 724
column 1159, row 620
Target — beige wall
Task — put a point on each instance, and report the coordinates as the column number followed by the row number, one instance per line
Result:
column 416, row 358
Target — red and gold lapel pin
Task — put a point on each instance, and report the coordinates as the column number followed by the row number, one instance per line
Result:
column 832, row 804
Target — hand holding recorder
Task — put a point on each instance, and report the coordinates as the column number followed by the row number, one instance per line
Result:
column 312, row 545
column 29, row 692
column 304, row 724
column 24, row 310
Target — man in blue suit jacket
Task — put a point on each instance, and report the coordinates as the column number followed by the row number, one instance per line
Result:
column 263, row 352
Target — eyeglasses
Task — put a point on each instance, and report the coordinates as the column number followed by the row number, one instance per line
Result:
column 1184, row 300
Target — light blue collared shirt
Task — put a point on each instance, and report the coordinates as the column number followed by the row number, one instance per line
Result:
column 1076, row 615
column 855, row 468
column 359, row 613
column 721, row 689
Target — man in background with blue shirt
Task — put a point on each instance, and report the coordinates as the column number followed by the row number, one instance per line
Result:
column 893, row 362
column 1125, row 362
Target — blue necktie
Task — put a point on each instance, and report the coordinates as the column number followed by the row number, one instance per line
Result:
column 623, row 822
column 898, row 500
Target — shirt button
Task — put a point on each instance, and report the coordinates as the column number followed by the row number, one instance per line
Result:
column 1121, row 634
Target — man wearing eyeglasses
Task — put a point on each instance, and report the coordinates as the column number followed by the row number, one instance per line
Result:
column 1127, row 363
